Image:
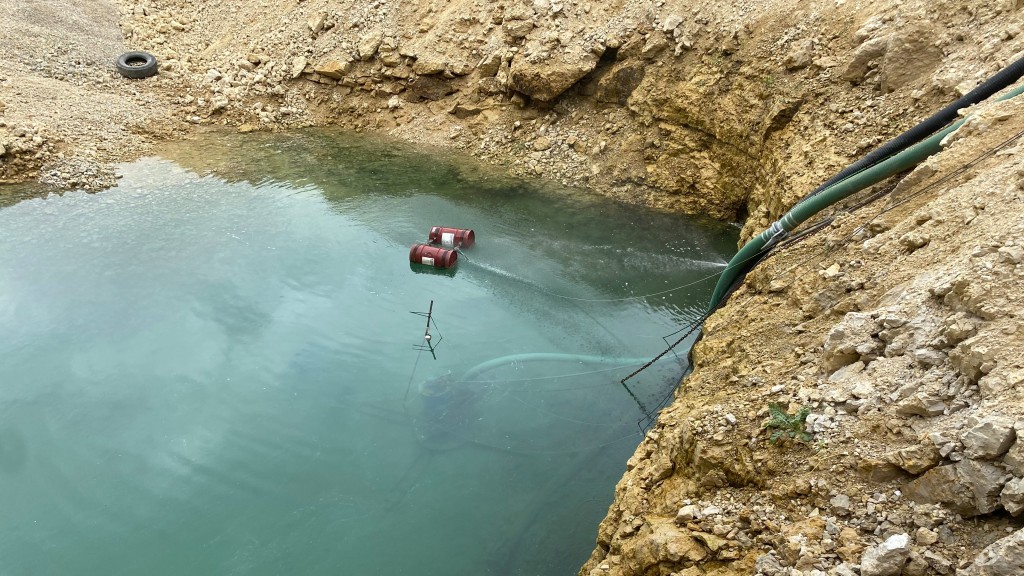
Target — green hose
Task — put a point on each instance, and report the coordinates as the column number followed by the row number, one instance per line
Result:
column 489, row 365
column 908, row 158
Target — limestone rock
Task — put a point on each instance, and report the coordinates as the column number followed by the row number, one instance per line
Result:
column 863, row 57
column 928, row 356
column 517, row 28
column 999, row 379
column 969, row 487
column 957, row 329
column 723, row 461
column 911, row 54
column 916, row 566
column 1003, row 557
column 655, row 45
column 850, row 545
column 879, row 470
column 1014, row 458
column 333, row 68
column 800, row 55
column 388, row 53
column 660, row 539
column 973, row 357
column 616, row 86
column 489, row 65
column 298, row 65
column 1011, row 254
column 926, row 537
column 914, row 239
column 688, row 513
column 985, row 482
column 841, row 504
column 921, row 404
column 844, row 569
column 915, row 459
column 799, row 538
column 713, row 543
column 369, row 44
column 546, row 79
column 218, row 102
column 768, row 564
column 935, row 486
column 937, row 562
column 1012, row 496
column 427, row 64
column 888, row 558
column 843, row 341
column 316, row 22
column 671, row 22
column 942, row 442
column 991, row 438
column 869, row 29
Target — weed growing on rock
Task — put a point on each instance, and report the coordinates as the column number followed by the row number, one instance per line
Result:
column 788, row 426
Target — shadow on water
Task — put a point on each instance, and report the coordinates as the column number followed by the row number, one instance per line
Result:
column 11, row 194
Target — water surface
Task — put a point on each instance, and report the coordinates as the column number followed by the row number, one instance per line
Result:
column 214, row 367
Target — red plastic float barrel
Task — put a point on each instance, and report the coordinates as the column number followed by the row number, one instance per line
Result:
column 432, row 256
column 452, row 237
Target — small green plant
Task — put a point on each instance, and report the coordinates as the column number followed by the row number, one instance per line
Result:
column 787, row 426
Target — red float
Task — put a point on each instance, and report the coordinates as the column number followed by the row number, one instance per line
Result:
column 432, row 256
column 452, row 237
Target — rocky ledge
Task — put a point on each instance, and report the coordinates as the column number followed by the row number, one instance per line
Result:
column 896, row 330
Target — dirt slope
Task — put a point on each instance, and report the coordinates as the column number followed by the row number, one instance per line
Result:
column 65, row 114
column 896, row 326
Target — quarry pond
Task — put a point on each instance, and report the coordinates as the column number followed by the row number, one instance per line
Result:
column 219, row 365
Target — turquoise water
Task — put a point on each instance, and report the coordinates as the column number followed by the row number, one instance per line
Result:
column 213, row 368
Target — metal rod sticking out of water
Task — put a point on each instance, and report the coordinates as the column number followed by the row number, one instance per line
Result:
column 428, row 338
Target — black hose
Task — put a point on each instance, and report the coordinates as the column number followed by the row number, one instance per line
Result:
column 932, row 124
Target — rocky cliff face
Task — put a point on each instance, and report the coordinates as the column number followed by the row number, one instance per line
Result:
column 895, row 325
column 897, row 329
column 730, row 108
column 702, row 108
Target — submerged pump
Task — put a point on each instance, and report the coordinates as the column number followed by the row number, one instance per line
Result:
column 443, row 408
column 439, row 414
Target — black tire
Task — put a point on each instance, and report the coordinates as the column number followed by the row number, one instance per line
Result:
column 136, row 65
